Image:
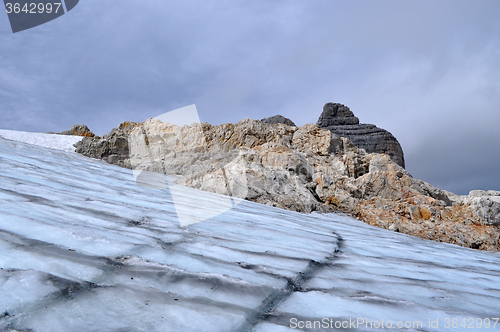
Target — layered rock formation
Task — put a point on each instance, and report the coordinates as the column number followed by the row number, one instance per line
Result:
column 302, row 169
column 341, row 121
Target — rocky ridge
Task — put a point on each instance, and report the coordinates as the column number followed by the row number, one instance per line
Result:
column 78, row 130
column 303, row 169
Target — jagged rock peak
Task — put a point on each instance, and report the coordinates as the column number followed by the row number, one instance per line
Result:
column 335, row 114
column 341, row 121
column 78, row 130
column 279, row 119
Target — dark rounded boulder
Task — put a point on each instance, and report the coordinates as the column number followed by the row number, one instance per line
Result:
column 279, row 119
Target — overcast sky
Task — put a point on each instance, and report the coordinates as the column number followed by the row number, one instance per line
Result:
column 427, row 71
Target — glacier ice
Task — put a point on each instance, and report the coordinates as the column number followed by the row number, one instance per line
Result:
column 83, row 248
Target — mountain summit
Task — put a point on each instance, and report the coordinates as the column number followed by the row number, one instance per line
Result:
column 340, row 120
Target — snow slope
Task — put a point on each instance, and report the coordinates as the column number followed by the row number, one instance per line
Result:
column 83, row 248
column 51, row 141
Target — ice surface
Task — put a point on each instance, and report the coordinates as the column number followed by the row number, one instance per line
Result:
column 83, row 248
column 379, row 275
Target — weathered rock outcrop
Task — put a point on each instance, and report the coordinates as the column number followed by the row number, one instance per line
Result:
column 387, row 196
column 278, row 119
column 112, row 147
column 486, row 204
column 302, row 169
column 78, row 130
column 341, row 121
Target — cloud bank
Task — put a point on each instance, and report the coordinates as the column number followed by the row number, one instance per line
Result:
column 429, row 72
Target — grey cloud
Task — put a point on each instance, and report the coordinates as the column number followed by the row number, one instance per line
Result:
column 408, row 67
column 458, row 161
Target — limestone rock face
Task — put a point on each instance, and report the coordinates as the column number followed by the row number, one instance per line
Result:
column 78, row 130
column 341, row 121
column 279, row 119
column 274, row 173
column 312, row 139
column 486, row 204
column 302, row 169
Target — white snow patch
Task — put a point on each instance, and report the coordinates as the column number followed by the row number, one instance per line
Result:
column 51, row 141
